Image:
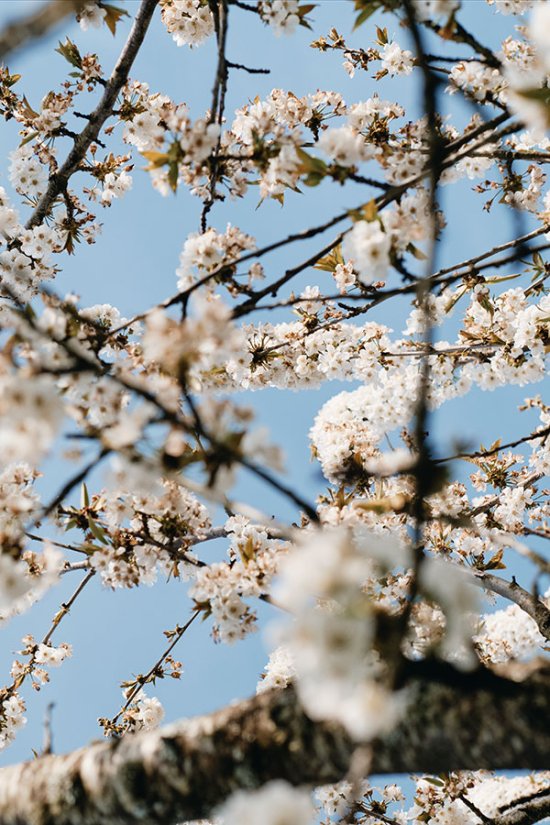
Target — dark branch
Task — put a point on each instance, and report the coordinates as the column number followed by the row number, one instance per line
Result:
column 58, row 182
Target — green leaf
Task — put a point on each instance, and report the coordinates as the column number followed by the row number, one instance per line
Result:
column 455, row 299
column 382, row 36
column 495, row 562
column 313, row 179
column 28, row 111
column 538, row 260
column 70, row 52
column 173, row 173
column 311, row 165
column 28, row 139
column 433, row 781
column 84, row 497
column 89, row 548
column 97, row 531
column 366, row 8
column 539, row 95
column 498, row 279
column 367, row 212
column 485, row 302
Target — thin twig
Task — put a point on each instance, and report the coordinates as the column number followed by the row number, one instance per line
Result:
column 143, row 680
column 543, row 433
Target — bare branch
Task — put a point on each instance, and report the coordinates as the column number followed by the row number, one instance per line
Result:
column 512, row 591
column 36, row 25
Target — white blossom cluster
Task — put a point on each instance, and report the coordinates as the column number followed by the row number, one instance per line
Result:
column 508, row 634
column 338, row 674
column 282, row 15
column 51, row 656
column 209, row 251
column 31, row 413
column 511, row 6
column 190, row 22
column 275, row 802
column 145, row 713
column 330, row 585
column 442, row 801
column 169, row 517
column 12, row 710
column 279, row 671
column 222, row 587
column 91, row 15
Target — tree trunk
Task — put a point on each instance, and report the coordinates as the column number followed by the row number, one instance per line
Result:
column 183, row 771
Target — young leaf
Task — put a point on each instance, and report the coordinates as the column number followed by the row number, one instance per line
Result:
column 113, row 16
column 156, row 159
column 84, row 497
column 370, row 211
column 328, row 263
column 70, row 52
column 97, row 531
column 366, row 8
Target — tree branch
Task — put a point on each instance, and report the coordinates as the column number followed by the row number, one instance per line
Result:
column 530, row 810
column 532, row 605
column 35, row 25
column 183, row 771
column 58, row 182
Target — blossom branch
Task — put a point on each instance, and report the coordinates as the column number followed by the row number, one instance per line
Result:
column 58, row 181
column 141, row 681
column 59, row 616
column 221, row 22
column 544, row 432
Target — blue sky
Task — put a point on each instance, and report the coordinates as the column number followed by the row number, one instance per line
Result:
column 116, row 634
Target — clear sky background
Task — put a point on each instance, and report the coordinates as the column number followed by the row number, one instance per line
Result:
column 117, row 634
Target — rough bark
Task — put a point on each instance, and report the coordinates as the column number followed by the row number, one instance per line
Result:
column 183, row 771
column 531, row 604
column 526, row 811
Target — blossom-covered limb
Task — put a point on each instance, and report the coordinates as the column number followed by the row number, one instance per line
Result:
column 544, row 432
column 58, row 182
